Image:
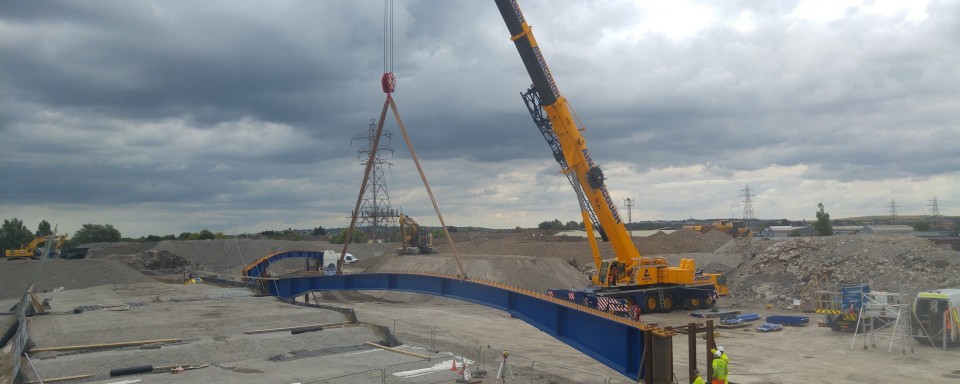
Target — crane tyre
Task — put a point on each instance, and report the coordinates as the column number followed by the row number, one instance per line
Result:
column 650, row 305
column 667, row 305
column 708, row 303
column 693, row 303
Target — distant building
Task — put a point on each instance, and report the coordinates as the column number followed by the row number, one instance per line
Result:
column 847, row 229
column 944, row 239
column 635, row 233
column 577, row 233
column 888, row 230
column 780, row 231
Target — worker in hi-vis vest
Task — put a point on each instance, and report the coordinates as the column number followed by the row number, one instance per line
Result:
column 719, row 369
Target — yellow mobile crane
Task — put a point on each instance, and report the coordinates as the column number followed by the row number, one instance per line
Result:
column 648, row 282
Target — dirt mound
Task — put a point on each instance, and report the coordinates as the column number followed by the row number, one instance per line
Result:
column 681, row 241
column 576, row 250
column 163, row 259
column 223, row 256
column 777, row 271
column 533, row 273
column 16, row 276
column 228, row 256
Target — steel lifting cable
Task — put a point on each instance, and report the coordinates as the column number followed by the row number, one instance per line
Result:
column 388, row 87
column 51, row 239
column 390, row 27
column 387, row 33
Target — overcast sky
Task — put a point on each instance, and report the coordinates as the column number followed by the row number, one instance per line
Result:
column 173, row 116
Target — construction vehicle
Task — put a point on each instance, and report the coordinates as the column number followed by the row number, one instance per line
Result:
column 414, row 240
column 737, row 229
column 936, row 317
column 74, row 253
column 648, row 282
column 37, row 248
column 841, row 309
column 334, row 255
column 858, row 309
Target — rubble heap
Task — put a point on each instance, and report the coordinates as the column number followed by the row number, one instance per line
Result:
column 163, row 259
column 776, row 271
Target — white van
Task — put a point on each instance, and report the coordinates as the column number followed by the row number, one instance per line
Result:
column 331, row 256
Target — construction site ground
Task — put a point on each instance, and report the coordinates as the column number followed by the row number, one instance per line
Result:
column 124, row 300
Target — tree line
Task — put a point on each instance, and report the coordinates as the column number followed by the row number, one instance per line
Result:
column 14, row 234
column 556, row 224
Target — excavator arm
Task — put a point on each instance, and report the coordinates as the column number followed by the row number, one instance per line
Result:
column 570, row 149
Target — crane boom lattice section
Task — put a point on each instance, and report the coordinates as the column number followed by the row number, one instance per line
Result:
column 534, row 104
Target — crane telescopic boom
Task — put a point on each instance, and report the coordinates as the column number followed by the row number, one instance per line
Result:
column 570, row 147
column 648, row 282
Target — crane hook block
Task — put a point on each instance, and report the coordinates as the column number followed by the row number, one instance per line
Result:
column 595, row 177
column 388, row 82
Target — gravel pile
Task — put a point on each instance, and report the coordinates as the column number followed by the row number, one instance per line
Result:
column 15, row 277
column 681, row 241
column 229, row 252
column 776, row 271
column 533, row 273
column 163, row 259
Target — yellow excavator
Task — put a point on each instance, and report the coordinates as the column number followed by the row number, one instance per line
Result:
column 414, row 240
column 36, row 248
column 648, row 282
column 737, row 229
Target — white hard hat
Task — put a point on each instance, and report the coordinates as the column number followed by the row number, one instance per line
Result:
column 718, row 353
column 720, row 349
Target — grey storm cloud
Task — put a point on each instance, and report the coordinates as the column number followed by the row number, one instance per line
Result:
column 234, row 104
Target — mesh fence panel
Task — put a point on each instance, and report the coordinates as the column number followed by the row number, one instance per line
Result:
column 545, row 373
column 366, row 377
column 228, row 293
column 436, row 370
column 416, row 334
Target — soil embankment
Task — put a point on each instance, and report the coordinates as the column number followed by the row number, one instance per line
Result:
column 767, row 271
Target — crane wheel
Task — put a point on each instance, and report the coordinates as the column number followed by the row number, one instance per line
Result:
column 650, row 305
column 708, row 303
column 667, row 305
column 693, row 303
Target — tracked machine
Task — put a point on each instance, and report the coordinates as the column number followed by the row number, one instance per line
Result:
column 38, row 248
column 414, row 240
column 628, row 282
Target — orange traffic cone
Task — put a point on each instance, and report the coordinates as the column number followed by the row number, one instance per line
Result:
column 463, row 368
column 453, row 365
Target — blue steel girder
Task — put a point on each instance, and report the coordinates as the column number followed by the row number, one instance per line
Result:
column 614, row 341
column 257, row 268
